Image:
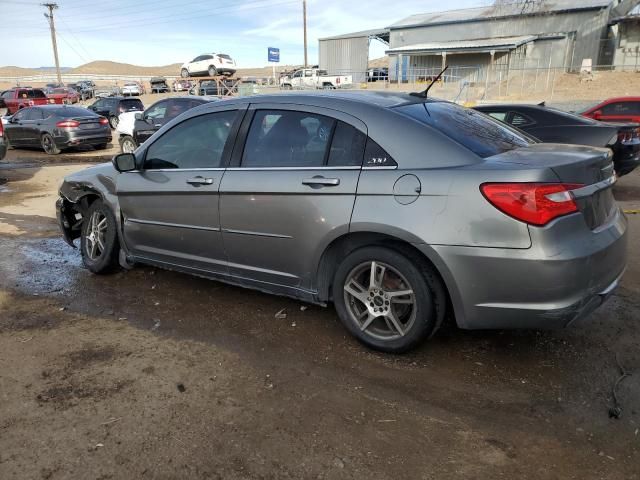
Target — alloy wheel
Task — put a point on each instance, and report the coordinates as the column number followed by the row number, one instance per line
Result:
column 48, row 144
column 380, row 300
column 95, row 235
column 128, row 145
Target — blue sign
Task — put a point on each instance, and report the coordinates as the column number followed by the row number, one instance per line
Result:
column 273, row 54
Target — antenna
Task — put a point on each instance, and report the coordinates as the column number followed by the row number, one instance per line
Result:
column 426, row 92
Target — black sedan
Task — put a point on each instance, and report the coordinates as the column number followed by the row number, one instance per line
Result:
column 56, row 127
column 555, row 126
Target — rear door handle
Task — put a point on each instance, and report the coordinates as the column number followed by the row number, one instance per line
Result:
column 321, row 181
column 200, row 181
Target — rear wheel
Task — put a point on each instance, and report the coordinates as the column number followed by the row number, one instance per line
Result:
column 99, row 240
column 113, row 122
column 184, row 73
column 49, row 144
column 127, row 144
column 388, row 301
column 213, row 71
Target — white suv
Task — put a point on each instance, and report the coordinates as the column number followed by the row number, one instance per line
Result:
column 210, row 64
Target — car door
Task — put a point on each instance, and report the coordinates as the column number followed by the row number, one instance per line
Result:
column 15, row 130
column 152, row 120
column 290, row 187
column 170, row 206
column 101, row 107
column 31, row 126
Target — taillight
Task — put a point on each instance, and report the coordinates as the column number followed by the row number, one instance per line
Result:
column 628, row 136
column 68, row 124
column 104, row 121
column 1, row 129
column 532, row 203
column 338, row 80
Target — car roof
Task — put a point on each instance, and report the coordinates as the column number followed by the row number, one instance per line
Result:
column 373, row 98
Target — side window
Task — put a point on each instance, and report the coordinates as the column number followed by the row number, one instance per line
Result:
column 22, row 94
column 157, row 111
column 33, row 114
column 308, row 73
column 36, row 94
column 520, row 120
column 501, row 116
column 297, row 74
column 619, row 108
column 347, row 146
column 376, row 156
column 283, row 138
column 207, row 57
column 99, row 104
column 195, row 143
column 21, row 114
column 176, row 107
column 8, row 94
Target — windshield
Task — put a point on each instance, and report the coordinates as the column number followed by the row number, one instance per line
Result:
column 479, row 133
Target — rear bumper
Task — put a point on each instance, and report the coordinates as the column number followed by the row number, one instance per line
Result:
column 562, row 278
column 73, row 139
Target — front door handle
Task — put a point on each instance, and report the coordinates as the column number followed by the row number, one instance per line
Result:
column 319, row 181
column 200, row 181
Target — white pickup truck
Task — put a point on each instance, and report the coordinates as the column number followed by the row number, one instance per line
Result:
column 314, row 78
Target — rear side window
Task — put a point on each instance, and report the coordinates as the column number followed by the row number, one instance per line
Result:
column 621, row 108
column 479, row 133
column 197, row 142
column 501, row 116
column 347, row 146
column 520, row 120
column 36, row 94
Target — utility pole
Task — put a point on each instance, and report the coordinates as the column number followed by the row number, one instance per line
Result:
column 304, row 21
column 49, row 16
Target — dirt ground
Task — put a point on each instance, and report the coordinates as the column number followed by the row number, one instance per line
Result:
column 155, row 374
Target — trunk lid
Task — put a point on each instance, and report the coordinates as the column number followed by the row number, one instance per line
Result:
column 589, row 166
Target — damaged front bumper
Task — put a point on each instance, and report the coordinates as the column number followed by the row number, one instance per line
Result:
column 69, row 224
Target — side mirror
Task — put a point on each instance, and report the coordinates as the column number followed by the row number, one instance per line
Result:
column 597, row 114
column 138, row 116
column 124, row 162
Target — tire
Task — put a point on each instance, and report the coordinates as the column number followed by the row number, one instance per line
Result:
column 113, row 122
column 99, row 245
column 127, row 144
column 184, row 73
column 49, row 144
column 388, row 321
column 212, row 71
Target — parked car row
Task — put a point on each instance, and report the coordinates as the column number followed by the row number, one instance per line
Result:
column 550, row 125
column 392, row 207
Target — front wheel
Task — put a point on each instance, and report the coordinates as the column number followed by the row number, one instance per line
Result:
column 388, row 301
column 113, row 122
column 184, row 73
column 49, row 144
column 99, row 240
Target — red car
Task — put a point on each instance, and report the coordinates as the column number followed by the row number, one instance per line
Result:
column 18, row 98
column 63, row 95
column 616, row 110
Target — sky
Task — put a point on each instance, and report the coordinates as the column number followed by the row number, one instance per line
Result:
column 162, row 32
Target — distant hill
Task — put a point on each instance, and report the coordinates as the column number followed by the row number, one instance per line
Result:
column 103, row 67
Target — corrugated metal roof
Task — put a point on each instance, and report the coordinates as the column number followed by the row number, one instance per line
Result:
column 496, row 11
column 477, row 45
column 377, row 32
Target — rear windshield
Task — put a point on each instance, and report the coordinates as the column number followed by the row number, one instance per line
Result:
column 132, row 103
column 70, row 112
column 224, row 55
column 479, row 133
column 60, row 90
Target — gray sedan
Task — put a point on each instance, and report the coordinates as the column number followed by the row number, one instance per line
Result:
column 398, row 209
column 56, row 127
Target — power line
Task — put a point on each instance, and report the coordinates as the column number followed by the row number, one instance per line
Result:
column 71, row 47
column 76, row 38
column 172, row 18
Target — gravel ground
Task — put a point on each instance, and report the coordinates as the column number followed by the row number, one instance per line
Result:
column 154, row 374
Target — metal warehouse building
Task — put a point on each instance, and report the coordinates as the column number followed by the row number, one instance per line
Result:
column 524, row 34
